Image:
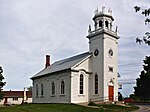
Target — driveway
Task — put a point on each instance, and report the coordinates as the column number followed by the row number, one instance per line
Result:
column 143, row 107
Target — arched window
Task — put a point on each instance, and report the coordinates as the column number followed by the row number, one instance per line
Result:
column 110, row 25
column 42, row 89
column 62, row 87
column 81, row 84
column 95, row 23
column 53, row 88
column 96, row 84
column 100, row 24
column 37, row 90
column 106, row 24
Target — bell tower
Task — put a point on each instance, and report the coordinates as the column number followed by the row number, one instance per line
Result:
column 103, row 43
column 103, row 20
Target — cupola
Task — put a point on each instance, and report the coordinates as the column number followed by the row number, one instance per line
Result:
column 102, row 19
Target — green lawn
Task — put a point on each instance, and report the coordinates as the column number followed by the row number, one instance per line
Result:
column 118, row 108
column 62, row 108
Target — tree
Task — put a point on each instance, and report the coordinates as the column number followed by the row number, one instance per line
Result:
column 29, row 88
column 134, row 97
column 1, row 82
column 142, row 89
column 146, row 13
column 120, row 98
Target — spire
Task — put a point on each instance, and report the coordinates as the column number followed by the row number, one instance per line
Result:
column 110, row 11
column 89, row 28
column 89, row 31
column 96, row 11
column 103, row 9
column 116, row 29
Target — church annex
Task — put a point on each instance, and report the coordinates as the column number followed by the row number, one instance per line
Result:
column 91, row 76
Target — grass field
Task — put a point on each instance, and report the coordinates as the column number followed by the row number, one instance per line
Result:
column 117, row 108
column 64, row 108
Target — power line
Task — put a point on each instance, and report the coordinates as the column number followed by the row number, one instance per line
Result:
column 124, row 83
column 129, row 64
column 128, row 69
column 126, row 79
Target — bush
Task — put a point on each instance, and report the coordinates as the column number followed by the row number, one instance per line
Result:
column 92, row 104
column 133, row 96
column 120, row 98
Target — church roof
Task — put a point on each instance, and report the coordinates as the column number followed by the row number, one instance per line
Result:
column 63, row 64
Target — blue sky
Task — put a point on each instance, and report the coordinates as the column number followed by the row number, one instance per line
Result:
column 30, row 29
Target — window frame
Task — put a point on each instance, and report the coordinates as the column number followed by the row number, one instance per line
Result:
column 96, row 84
column 15, row 98
column 53, row 88
column 37, row 90
column 42, row 89
column 62, row 87
column 106, row 24
column 111, row 69
column 100, row 23
column 81, row 84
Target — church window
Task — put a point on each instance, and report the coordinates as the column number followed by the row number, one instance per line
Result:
column 110, row 25
column 100, row 24
column 15, row 98
column 42, row 89
column 37, row 90
column 111, row 69
column 62, row 87
column 106, row 23
column 53, row 88
column 96, row 84
column 95, row 23
column 81, row 84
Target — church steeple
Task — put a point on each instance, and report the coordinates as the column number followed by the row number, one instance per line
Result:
column 103, row 42
column 103, row 21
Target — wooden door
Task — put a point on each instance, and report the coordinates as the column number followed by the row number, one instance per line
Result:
column 111, row 93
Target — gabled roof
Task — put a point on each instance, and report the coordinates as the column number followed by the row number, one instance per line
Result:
column 62, row 64
column 19, row 94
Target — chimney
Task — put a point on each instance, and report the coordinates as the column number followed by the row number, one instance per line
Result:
column 47, row 61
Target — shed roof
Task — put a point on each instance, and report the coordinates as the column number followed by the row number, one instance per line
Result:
column 20, row 94
column 62, row 64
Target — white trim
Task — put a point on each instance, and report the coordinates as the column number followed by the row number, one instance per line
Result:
column 81, row 61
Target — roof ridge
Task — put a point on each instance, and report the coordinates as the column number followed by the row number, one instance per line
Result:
column 69, row 58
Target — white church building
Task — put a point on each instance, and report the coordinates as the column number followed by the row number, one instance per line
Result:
column 91, row 76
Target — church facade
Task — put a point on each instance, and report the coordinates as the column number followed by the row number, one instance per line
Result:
column 90, row 76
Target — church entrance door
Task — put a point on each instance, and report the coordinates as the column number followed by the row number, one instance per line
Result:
column 111, row 93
